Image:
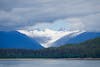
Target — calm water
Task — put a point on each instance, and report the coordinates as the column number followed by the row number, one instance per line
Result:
column 49, row 63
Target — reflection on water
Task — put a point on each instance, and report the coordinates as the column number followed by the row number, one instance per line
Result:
column 49, row 63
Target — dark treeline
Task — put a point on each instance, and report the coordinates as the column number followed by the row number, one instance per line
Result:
column 88, row 49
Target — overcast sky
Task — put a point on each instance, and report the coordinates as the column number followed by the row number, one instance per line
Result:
column 52, row 14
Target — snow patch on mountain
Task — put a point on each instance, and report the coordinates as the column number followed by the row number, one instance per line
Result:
column 47, row 36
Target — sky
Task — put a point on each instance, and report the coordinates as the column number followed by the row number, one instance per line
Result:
column 49, row 20
column 52, row 14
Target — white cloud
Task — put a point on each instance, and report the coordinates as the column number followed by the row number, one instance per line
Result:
column 68, row 24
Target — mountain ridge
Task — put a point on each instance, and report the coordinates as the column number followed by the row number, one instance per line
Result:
column 70, row 39
column 14, row 39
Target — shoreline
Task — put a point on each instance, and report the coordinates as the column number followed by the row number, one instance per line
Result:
column 29, row 59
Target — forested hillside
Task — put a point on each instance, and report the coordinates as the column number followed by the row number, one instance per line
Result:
column 87, row 49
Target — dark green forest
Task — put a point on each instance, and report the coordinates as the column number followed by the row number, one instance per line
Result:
column 87, row 49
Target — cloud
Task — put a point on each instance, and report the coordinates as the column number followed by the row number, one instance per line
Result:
column 18, row 14
column 91, row 22
column 68, row 24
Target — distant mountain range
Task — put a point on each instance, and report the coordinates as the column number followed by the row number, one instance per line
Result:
column 14, row 39
column 75, row 38
column 51, row 38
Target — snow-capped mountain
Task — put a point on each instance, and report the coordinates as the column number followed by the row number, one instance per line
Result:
column 75, row 38
column 47, row 37
column 52, row 38
column 14, row 39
